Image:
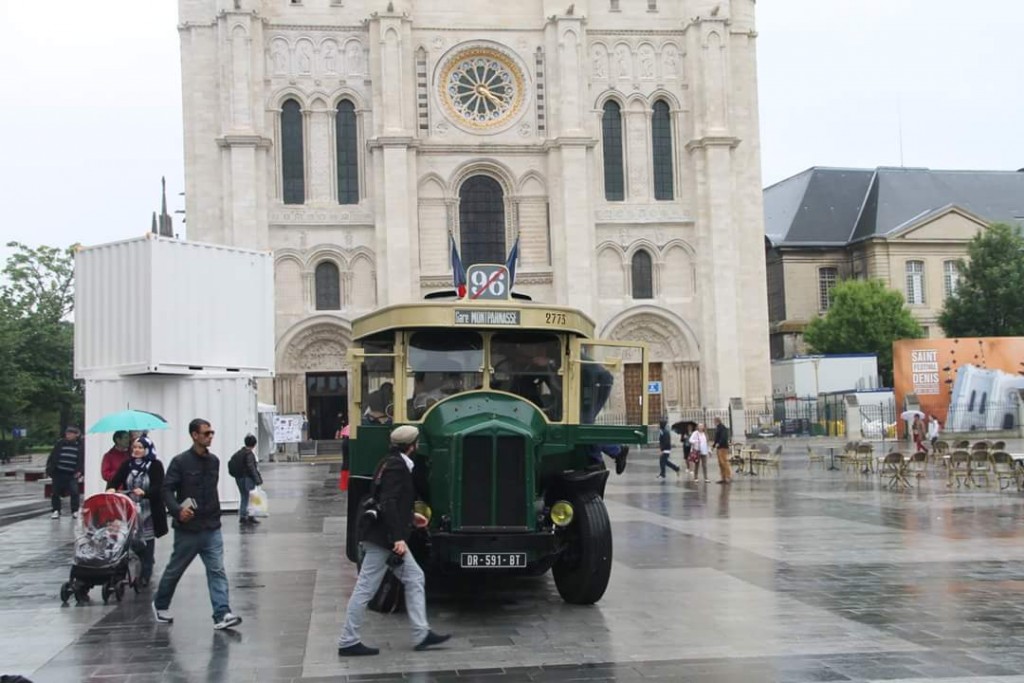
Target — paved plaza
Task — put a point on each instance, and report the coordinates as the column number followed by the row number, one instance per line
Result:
column 811, row 576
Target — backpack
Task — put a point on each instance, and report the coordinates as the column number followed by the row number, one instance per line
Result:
column 236, row 465
column 370, row 512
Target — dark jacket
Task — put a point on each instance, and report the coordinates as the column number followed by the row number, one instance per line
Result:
column 721, row 436
column 249, row 468
column 191, row 475
column 155, row 494
column 396, row 498
column 67, row 458
column 665, row 439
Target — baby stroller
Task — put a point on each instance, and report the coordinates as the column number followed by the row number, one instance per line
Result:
column 105, row 549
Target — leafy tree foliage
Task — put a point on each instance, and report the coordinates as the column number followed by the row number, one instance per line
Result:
column 865, row 317
column 987, row 300
column 37, row 385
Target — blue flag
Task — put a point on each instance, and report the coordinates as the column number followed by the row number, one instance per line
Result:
column 510, row 263
column 458, row 271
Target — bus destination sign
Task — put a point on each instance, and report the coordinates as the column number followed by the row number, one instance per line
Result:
column 486, row 317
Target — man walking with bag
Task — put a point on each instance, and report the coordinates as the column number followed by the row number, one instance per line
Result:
column 64, row 467
column 722, row 449
column 384, row 545
column 242, row 466
column 190, row 494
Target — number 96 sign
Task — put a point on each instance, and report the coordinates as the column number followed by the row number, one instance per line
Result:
column 487, row 281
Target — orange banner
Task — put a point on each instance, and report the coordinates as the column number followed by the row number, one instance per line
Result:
column 969, row 383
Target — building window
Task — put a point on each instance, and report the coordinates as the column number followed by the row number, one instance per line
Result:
column 661, row 143
column 615, row 5
column 643, row 281
column 328, row 287
column 293, row 171
column 611, row 128
column 827, row 278
column 347, row 153
column 652, row 5
column 950, row 277
column 482, row 221
column 915, row 282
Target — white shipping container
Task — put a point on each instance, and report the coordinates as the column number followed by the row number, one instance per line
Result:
column 228, row 403
column 156, row 304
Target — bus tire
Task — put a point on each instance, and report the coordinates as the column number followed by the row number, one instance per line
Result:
column 583, row 569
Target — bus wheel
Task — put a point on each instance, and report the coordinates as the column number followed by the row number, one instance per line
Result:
column 584, row 567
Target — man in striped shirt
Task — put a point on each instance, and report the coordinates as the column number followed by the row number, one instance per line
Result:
column 64, row 467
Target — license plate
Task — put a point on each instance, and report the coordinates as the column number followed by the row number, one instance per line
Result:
column 493, row 560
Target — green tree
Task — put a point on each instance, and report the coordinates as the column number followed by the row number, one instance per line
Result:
column 987, row 300
column 37, row 385
column 865, row 317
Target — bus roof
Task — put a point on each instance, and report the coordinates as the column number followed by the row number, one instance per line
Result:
column 494, row 315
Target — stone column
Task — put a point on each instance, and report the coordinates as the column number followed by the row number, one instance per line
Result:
column 393, row 143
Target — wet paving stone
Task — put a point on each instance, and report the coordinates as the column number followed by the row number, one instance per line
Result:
column 809, row 576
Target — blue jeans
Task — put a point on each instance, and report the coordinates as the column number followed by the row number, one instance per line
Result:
column 245, row 485
column 609, row 449
column 371, row 573
column 209, row 546
column 664, row 462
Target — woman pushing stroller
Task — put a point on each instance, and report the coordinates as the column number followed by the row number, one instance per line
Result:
column 142, row 478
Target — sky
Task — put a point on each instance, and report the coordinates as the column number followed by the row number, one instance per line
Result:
column 90, row 106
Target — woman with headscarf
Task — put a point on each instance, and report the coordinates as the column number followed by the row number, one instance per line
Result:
column 142, row 478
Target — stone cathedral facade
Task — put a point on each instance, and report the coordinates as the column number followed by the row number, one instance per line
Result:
column 617, row 139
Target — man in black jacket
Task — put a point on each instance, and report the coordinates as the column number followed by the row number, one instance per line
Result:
column 722, row 449
column 190, row 494
column 384, row 544
column 64, row 467
column 242, row 467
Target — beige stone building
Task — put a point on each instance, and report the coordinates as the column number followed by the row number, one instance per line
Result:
column 617, row 139
column 908, row 227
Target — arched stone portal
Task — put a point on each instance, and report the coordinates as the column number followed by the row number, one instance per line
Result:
column 674, row 355
column 313, row 372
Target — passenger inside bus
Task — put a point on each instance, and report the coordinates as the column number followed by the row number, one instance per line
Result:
column 529, row 365
column 442, row 364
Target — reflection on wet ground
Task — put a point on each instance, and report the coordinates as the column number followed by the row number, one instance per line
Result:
column 811, row 576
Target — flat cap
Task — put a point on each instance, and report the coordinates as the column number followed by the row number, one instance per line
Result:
column 404, row 435
column 72, row 429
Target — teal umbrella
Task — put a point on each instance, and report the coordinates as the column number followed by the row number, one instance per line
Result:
column 128, row 420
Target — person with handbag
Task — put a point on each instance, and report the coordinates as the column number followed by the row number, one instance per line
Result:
column 242, row 467
column 387, row 523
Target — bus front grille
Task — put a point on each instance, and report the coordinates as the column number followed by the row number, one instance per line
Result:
column 494, row 482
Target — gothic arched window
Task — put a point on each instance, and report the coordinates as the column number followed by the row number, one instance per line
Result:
column 347, row 151
column 643, row 280
column 328, row 287
column 611, row 129
column 661, row 144
column 293, row 173
column 482, row 221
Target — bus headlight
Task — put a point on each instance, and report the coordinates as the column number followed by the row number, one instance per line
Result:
column 561, row 513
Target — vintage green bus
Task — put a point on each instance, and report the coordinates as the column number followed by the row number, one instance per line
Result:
column 514, row 401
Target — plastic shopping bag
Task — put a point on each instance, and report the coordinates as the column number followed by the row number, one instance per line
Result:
column 259, row 506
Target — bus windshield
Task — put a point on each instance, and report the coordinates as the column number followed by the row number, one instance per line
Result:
column 442, row 363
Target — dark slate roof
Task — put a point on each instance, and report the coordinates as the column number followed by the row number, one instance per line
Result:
column 836, row 206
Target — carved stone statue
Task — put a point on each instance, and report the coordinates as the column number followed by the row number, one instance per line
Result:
column 599, row 63
column 280, row 57
column 622, row 60
column 330, row 58
column 305, row 58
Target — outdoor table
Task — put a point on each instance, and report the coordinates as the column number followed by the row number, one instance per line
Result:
column 751, row 452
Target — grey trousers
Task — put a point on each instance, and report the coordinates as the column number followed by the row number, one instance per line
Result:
column 372, row 573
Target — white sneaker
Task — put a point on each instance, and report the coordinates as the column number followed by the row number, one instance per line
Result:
column 229, row 620
column 54, row 515
column 162, row 615
column 74, row 515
